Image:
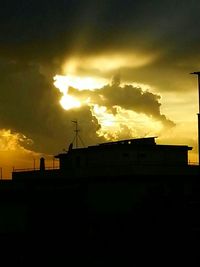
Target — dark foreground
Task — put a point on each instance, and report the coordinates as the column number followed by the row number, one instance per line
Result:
column 105, row 222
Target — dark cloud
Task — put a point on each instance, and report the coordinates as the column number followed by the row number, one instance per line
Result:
column 47, row 29
column 127, row 97
column 37, row 36
column 29, row 104
column 49, row 32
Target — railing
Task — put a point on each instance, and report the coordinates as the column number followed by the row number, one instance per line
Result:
column 35, row 169
column 195, row 164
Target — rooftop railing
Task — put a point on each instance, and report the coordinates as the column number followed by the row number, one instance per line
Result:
column 35, row 169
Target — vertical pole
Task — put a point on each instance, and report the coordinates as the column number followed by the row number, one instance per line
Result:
column 198, row 137
column 76, row 134
column 34, row 164
column 198, row 114
column 199, row 90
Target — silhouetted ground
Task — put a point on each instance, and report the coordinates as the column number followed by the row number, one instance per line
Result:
column 100, row 222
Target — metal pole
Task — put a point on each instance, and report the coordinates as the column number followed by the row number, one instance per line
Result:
column 76, row 134
column 199, row 90
column 198, row 77
column 199, row 119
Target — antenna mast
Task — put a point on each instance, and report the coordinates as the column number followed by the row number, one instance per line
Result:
column 198, row 75
column 76, row 133
column 77, row 136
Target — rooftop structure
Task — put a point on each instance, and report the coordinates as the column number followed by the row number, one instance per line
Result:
column 130, row 157
column 125, row 157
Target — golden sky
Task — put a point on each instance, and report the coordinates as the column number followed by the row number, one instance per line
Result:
column 121, row 68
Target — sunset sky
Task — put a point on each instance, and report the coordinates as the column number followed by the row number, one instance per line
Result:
column 121, row 68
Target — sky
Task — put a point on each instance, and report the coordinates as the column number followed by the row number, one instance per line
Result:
column 120, row 68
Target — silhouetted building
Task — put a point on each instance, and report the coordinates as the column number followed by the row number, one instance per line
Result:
column 120, row 205
column 126, row 157
column 140, row 156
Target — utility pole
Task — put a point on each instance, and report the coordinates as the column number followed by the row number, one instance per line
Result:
column 198, row 114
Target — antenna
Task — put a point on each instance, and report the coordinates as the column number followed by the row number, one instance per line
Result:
column 76, row 133
column 77, row 136
column 198, row 75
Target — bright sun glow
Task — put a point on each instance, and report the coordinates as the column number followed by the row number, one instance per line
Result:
column 69, row 102
column 80, row 83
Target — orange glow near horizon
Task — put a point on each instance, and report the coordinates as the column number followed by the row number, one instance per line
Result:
column 14, row 155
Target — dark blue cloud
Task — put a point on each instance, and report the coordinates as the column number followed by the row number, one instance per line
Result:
column 48, row 28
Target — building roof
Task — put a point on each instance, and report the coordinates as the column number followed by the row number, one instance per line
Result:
column 147, row 143
column 135, row 141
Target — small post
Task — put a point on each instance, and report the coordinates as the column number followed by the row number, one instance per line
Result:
column 42, row 164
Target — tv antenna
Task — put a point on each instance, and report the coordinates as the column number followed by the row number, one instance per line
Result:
column 77, row 136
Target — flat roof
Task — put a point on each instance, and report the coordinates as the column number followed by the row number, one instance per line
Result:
column 147, row 142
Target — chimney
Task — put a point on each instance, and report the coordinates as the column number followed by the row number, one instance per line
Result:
column 198, row 74
column 42, row 164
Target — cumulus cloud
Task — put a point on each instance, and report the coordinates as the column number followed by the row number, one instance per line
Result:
column 127, row 97
column 29, row 105
column 12, row 141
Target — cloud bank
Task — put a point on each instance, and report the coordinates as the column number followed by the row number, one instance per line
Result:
column 30, row 106
column 153, row 42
